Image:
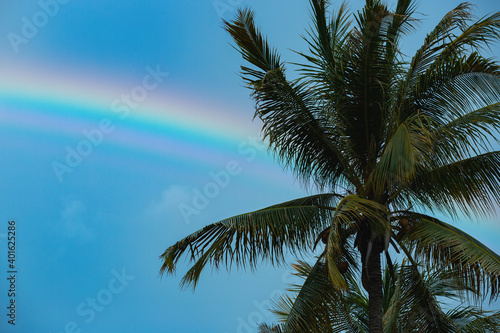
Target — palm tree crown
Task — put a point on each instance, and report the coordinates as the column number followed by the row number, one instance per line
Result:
column 385, row 138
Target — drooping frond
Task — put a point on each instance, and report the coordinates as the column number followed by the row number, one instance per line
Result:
column 299, row 134
column 400, row 158
column 348, row 212
column 439, row 243
column 247, row 239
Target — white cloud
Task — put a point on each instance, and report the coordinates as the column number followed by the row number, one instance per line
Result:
column 167, row 204
column 72, row 222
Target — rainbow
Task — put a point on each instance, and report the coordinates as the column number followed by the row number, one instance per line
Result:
column 63, row 103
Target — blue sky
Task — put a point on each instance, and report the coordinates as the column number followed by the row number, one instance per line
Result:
column 90, row 227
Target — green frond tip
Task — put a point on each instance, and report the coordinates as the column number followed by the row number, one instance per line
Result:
column 250, row 42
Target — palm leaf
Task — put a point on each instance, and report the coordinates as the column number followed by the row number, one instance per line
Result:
column 297, row 131
column 446, row 246
column 249, row 238
column 250, row 42
column 471, row 184
column 421, row 311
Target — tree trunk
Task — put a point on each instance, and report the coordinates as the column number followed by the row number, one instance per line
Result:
column 375, row 289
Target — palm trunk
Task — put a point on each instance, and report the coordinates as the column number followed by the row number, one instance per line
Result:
column 375, row 291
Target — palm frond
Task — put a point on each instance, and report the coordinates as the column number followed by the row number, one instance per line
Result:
column 396, row 136
column 325, row 40
column 439, row 243
column 462, row 85
column 293, row 122
column 471, row 185
column 401, row 156
column 468, row 133
column 251, row 44
column 299, row 134
column 247, row 239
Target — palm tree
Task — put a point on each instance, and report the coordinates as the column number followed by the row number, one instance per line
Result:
column 413, row 301
column 386, row 140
